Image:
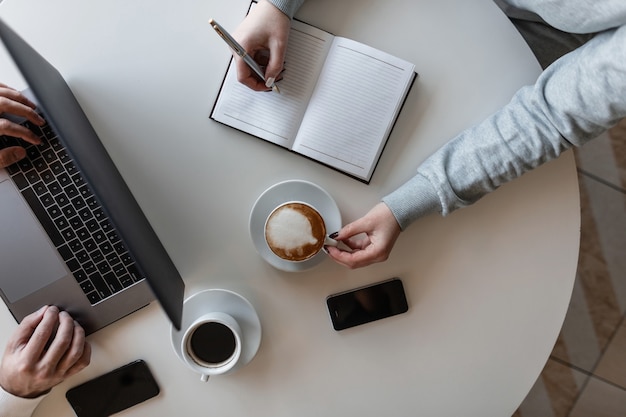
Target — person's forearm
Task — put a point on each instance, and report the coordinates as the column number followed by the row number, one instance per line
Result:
column 289, row 7
column 572, row 102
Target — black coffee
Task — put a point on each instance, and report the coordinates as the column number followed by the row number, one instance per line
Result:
column 213, row 342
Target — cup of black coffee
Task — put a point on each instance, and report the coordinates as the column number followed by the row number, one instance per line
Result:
column 212, row 344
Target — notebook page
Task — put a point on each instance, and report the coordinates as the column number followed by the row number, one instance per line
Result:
column 352, row 110
column 269, row 115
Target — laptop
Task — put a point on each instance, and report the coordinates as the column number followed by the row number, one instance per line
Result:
column 71, row 232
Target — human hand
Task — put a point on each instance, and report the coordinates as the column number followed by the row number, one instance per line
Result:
column 265, row 29
column 29, row 368
column 13, row 102
column 371, row 238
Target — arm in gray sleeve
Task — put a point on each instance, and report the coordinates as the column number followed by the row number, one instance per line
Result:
column 573, row 101
column 289, row 7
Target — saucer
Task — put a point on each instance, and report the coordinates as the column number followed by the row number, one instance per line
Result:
column 227, row 302
column 291, row 190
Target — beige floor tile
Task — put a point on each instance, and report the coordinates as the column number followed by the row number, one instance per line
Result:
column 612, row 366
column 605, row 156
column 597, row 307
column 599, row 297
column 577, row 343
column 618, row 142
column 600, row 399
column 607, row 211
column 554, row 392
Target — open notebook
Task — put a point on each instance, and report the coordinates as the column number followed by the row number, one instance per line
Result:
column 338, row 101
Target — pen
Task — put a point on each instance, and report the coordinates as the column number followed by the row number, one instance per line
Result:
column 234, row 45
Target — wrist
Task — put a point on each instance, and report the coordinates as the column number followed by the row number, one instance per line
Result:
column 22, row 393
column 34, row 395
column 415, row 199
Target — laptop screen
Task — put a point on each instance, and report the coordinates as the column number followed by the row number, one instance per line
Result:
column 63, row 112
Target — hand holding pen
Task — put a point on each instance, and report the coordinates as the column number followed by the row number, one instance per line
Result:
column 264, row 29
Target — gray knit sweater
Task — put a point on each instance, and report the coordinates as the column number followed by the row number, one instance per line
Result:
column 289, row 7
column 574, row 100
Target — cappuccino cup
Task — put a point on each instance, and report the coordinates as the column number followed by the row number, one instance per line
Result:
column 211, row 345
column 295, row 231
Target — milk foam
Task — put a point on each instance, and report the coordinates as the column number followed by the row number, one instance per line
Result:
column 289, row 229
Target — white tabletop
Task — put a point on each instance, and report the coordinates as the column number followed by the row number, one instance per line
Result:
column 488, row 286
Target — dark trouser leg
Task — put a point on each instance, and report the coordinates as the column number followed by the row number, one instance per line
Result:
column 547, row 43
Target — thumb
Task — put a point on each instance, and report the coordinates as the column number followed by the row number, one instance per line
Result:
column 11, row 155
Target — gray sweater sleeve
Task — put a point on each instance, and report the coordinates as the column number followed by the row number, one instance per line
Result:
column 574, row 100
column 289, row 7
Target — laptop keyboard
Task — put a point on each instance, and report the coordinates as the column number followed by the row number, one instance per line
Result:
column 71, row 216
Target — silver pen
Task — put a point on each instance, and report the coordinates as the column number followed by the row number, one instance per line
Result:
column 234, row 45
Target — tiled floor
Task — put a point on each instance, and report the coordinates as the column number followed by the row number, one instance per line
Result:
column 586, row 373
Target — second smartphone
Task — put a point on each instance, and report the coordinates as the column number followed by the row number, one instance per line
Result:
column 114, row 391
column 366, row 304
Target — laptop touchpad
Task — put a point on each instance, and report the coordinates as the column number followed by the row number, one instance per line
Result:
column 28, row 262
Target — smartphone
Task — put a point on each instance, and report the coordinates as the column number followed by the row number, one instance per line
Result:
column 113, row 392
column 366, row 304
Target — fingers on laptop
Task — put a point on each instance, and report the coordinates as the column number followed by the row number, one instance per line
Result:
column 9, row 128
column 15, row 103
column 48, row 346
column 9, row 156
column 14, row 95
column 56, row 341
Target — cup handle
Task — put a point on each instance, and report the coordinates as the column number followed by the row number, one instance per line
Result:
column 337, row 243
column 204, row 377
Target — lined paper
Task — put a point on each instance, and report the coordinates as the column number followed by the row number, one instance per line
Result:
column 269, row 115
column 338, row 102
column 353, row 107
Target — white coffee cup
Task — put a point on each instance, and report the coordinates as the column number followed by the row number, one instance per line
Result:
column 295, row 231
column 211, row 345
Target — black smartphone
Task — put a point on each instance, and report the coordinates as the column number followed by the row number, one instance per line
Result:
column 114, row 391
column 366, row 304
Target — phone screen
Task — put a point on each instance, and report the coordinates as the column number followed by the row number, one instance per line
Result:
column 114, row 391
column 367, row 304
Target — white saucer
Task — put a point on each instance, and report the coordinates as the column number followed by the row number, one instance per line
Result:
column 291, row 190
column 226, row 302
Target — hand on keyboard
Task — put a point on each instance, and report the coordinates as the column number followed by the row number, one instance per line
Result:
column 71, row 215
column 14, row 103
